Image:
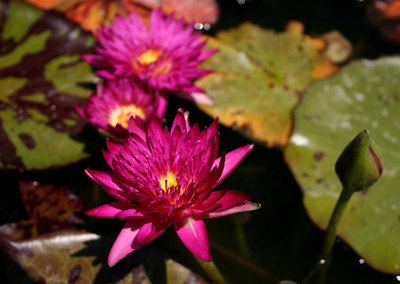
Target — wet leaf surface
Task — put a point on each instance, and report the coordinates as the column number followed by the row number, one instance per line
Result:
column 48, row 257
column 258, row 78
column 364, row 95
column 41, row 77
column 274, row 243
column 49, row 246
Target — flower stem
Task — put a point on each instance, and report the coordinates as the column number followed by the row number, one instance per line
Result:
column 330, row 234
column 212, row 271
column 241, row 239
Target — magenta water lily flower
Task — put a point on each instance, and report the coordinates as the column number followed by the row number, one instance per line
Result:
column 164, row 178
column 166, row 54
column 117, row 100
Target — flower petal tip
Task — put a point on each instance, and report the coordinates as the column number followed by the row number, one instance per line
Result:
column 206, row 258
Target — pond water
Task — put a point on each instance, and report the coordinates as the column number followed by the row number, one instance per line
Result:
column 275, row 243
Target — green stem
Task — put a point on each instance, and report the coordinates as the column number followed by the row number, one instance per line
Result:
column 330, row 234
column 241, row 239
column 212, row 271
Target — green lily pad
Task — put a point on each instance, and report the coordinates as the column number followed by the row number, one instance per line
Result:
column 48, row 257
column 179, row 274
column 258, row 77
column 364, row 95
column 41, row 76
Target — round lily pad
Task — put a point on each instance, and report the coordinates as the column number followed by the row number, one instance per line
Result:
column 257, row 80
column 41, row 80
column 364, row 95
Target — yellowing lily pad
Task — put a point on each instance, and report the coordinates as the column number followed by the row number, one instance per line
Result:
column 41, row 78
column 364, row 95
column 258, row 78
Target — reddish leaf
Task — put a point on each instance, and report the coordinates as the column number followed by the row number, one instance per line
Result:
column 50, row 207
column 91, row 14
column 385, row 16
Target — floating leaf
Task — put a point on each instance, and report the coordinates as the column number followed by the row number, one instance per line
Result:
column 48, row 257
column 179, row 274
column 49, row 207
column 385, row 16
column 52, row 207
column 258, row 78
column 364, row 95
column 40, row 72
column 137, row 275
column 91, row 14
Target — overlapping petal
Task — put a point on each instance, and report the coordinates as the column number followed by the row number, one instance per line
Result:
column 115, row 101
column 232, row 159
column 125, row 242
column 163, row 177
column 109, row 210
column 241, row 207
column 166, row 54
column 193, row 234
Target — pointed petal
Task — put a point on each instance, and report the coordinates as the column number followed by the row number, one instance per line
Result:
column 195, row 95
column 109, row 210
column 108, row 157
column 207, row 53
column 124, row 244
column 104, row 178
column 193, row 234
column 231, row 198
column 210, row 198
column 130, row 214
column 113, row 147
column 162, row 106
column 232, row 159
column 105, row 74
column 242, row 207
column 181, row 120
column 81, row 112
column 118, row 194
column 133, row 129
column 150, row 231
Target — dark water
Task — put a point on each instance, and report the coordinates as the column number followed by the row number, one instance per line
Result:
column 277, row 242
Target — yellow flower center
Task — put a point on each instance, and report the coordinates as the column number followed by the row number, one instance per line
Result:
column 168, row 181
column 149, row 56
column 121, row 115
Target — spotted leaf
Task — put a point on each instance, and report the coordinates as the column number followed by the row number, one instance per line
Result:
column 364, row 95
column 258, row 78
column 41, row 77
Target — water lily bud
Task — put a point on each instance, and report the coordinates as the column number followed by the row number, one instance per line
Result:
column 360, row 164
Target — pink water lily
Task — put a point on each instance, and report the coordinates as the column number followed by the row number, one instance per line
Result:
column 162, row 178
column 117, row 100
column 166, row 54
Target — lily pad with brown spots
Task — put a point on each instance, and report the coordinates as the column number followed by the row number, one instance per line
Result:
column 41, row 78
column 364, row 95
column 258, row 77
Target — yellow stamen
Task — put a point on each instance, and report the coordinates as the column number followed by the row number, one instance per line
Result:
column 149, row 56
column 140, row 63
column 121, row 115
column 170, row 181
